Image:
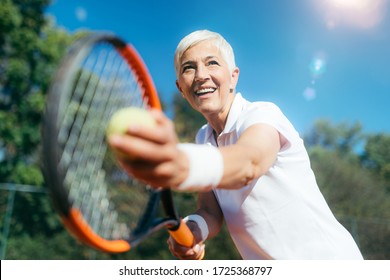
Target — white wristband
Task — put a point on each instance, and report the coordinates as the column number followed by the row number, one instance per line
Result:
column 204, row 229
column 205, row 169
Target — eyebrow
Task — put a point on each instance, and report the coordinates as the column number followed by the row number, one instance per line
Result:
column 187, row 62
column 205, row 59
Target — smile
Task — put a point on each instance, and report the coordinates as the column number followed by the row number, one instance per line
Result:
column 204, row 91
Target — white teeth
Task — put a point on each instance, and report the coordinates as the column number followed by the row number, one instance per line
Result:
column 205, row 90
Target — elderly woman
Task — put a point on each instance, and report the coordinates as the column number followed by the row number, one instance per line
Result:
column 249, row 165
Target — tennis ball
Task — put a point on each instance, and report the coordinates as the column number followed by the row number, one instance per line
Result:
column 123, row 118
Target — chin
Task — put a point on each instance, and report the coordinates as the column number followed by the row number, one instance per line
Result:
column 206, row 110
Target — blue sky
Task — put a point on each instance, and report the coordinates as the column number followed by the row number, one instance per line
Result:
column 314, row 58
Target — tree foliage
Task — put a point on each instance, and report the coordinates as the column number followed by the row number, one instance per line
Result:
column 30, row 48
column 353, row 182
column 376, row 157
column 187, row 120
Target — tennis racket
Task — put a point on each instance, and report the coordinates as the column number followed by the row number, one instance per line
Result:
column 99, row 203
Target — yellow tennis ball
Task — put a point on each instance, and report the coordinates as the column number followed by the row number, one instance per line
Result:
column 123, row 118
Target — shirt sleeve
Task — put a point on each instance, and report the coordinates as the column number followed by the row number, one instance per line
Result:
column 270, row 114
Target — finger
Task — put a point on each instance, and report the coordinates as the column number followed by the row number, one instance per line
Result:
column 186, row 253
column 139, row 148
column 153, row 134
column 200, row 252
column 195, row 253
column 154, row 175
column 161, row 133
column 159, row 116
column 177, row 250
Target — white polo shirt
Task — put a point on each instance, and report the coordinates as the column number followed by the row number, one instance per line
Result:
column 282, row 214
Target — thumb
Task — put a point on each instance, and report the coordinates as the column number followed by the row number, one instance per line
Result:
column 199, row 250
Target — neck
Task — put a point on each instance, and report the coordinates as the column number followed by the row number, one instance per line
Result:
column 218, row 120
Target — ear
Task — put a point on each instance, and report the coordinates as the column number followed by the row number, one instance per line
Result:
column 179, row 88
column 234, row 78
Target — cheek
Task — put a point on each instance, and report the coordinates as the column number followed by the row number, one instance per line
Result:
column 225, row 78
column 229, row 82
column 185, row 83
column 226, row 82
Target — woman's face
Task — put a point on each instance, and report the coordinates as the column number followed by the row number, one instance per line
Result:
column 205, row 80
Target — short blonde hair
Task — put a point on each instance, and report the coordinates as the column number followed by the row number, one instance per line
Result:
column 200, row 36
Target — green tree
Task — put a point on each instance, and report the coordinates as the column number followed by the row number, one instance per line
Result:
column 354, row 193
column 30, row 48
column 376, row 157
column 187, row 120
column 342, row 138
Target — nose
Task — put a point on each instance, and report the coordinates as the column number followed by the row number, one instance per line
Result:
column 201, row 73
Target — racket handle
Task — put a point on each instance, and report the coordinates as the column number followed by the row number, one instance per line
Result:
column 184, row 236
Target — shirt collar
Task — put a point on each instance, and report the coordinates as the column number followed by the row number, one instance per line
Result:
column 234, row 112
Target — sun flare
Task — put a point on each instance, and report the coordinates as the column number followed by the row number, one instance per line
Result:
column 364, row 14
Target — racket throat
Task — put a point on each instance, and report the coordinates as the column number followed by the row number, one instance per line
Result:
column 150, row 212
column 169, row 209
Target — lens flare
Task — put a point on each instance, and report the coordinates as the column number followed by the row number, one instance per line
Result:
column 309, row 93
column 363, row 14
column 318, row 64
column 351, row 4
column 317, row 68
column 81, row 14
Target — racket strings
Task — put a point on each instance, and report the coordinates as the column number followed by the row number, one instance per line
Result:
column 89, row 190
column 103, row 85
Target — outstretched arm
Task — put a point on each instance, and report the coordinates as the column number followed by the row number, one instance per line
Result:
column 156, row 158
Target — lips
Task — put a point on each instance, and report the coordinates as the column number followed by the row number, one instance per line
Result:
column 203, row 91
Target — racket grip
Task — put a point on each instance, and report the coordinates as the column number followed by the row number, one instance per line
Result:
column 184, row 236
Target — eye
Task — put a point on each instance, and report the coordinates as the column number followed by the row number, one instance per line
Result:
column 213, row 62
column 187, row 67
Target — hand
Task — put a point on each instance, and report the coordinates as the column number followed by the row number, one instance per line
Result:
column 151, row 154
column 196, row 252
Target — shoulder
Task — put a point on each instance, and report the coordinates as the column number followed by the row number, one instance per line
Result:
column 260, row 112
column 263, row 106
column 257, row 108
column 244, row 113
